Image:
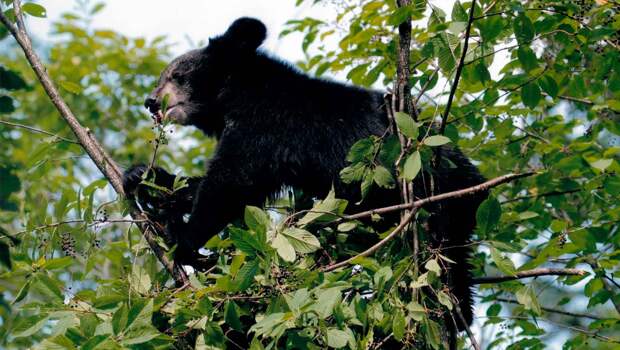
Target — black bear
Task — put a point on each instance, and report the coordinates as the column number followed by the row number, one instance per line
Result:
column 278, row 127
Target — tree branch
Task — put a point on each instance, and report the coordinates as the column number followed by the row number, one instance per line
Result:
column 374, row 248
column 555, row 311
column 33, row 129
column 102, row 160
column 414, row 207
column 459, row 69
column 541, row 195
column 529, row 273
column 403, row 89
column 443, row 196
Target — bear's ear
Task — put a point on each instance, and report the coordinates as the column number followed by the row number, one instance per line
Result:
column 246, row 33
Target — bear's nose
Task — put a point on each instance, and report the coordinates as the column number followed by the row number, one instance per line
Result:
column 151, row 104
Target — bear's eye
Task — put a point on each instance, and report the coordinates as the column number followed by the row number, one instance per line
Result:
column 177, row 77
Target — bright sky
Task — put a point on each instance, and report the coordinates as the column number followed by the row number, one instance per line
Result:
column 197, row 19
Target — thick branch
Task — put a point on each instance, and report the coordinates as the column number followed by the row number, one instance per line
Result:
column 528, row 274
column 102, row 160
column 459, row 69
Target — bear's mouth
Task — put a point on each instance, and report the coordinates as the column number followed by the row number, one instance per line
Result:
column 171, row 112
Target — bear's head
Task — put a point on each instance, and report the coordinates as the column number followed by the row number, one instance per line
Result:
column 194, row 81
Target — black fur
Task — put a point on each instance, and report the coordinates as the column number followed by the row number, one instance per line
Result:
column 278, row 127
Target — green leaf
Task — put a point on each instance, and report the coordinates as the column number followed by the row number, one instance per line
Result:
column 488, row 214
column 432, row 334
column 383, row 177
column 48, row 287
column 549, row 85
column 6, row 105
column 504, row 264
column 321, row 210
column 94, row 342
column 524, row 29
column 23, row 291
column 527, row 297
column 35, row 10
column 283, row 247
column 245, row 241
column 256, row 219
column 436, row 140
column 119, row 319
column 444, row 299
column 27, row 326
column 406, row 125
column 327, row 299
column 271, row 325
column 360, row 150
column 58, row 263
column 390, row 150
column 416, row 311
column 347, row 226
column 602, row 164
column 231, row 316
column 302, row 241
column 353, row 173
column 337, row 338
column 383, row 275
column 494, row 310
column 140, row 280
column 399, row 15
column 71, row 87
column 9, row 80
column 433, row 265
column 482, row 73
column 139, row 314
column 246, row 274
column 140, row 336
column 527, row 57
column 530, row 94
column 458, row 12
column 412, row 166
column 399, row 324
column 528, row 215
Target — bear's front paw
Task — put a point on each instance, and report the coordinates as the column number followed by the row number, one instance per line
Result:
column 132, row 178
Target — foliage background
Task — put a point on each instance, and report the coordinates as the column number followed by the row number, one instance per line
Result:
column 75, row 274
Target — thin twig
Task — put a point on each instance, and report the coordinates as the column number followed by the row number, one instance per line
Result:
column 459, row 69
column 95, row 151
column 548, row 271
column 33, row 129
column 551, row 310
column 594, row 334
column 541, row 195
column 375, row 247
column 470, row 334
